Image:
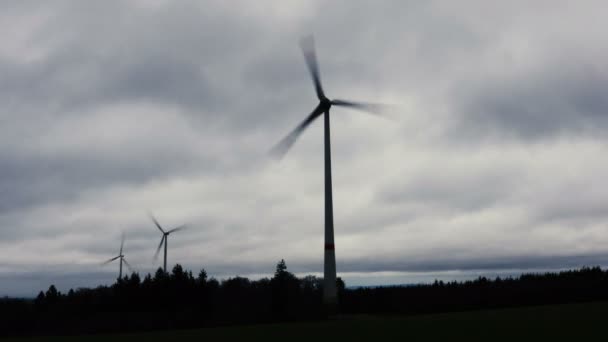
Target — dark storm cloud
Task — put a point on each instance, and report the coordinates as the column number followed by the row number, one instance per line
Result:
column 114, row 63
column 159, row 59
column 558, row 99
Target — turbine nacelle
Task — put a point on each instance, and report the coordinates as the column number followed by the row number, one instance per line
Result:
column 325, row 104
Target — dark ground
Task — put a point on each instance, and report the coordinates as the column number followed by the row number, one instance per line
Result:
column 569, row 322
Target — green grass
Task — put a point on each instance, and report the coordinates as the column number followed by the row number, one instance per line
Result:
column 571, row 322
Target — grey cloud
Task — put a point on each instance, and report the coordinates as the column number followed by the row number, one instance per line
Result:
column 561, row 99
column 459, row 190
column 522, row 262
column 109, row 109
column 435, row 265
column 29, row 180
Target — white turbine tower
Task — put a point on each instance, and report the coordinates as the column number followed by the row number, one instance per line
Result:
column 330, row 293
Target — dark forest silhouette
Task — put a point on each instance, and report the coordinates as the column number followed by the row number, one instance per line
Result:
column 181, row 300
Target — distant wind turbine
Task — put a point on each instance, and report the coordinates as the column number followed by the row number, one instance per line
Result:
column 163, row 239
column 329, row 270
column 121, row 257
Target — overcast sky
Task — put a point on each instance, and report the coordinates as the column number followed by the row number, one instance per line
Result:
column 495, row 162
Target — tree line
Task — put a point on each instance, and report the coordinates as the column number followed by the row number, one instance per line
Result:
column 179, row 300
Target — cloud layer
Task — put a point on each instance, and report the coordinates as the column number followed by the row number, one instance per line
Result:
column 109, row 110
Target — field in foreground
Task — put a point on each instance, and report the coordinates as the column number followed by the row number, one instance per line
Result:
column 558, row 322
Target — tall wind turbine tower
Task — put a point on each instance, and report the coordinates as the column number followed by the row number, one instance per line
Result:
column 330, row 293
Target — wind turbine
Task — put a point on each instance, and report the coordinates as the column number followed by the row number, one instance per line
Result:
column 163, row 239
column 121, row 257
column 330, row 292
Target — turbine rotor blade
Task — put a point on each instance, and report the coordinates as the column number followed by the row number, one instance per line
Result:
column 156, row 223
column 372, row 108
column 162, row 239
column 110, row 260
column 177, row 228
column 122, row 243
column 128, row 266
column 285, row 144
column 307, row 44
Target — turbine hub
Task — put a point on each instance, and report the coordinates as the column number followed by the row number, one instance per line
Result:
column 325, row 103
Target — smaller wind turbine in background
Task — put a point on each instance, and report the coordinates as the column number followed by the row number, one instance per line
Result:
column 163, row 239
column 121, row 257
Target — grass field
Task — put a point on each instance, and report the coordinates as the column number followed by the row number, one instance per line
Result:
column 572, row 322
